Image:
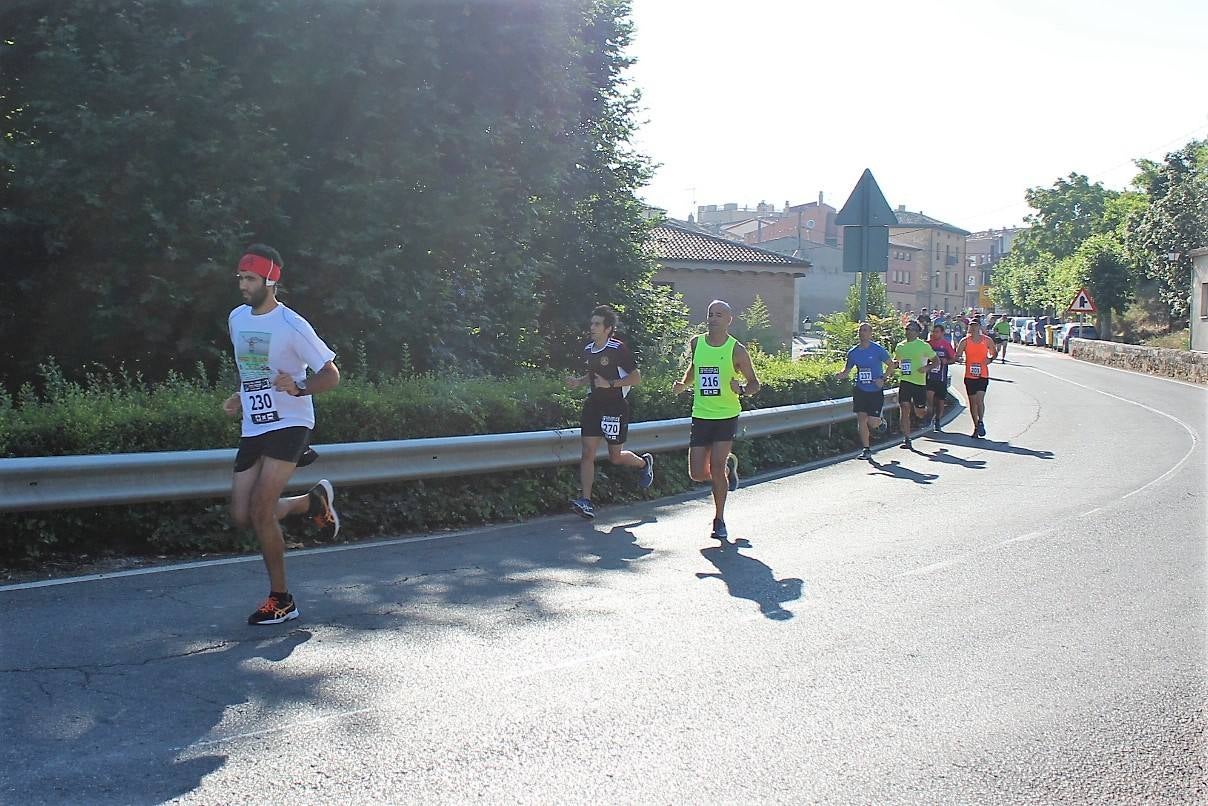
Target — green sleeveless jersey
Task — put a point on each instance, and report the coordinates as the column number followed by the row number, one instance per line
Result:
column 712, row 397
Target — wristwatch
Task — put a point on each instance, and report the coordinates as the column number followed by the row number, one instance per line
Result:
column 742, row 389
column 302, row 390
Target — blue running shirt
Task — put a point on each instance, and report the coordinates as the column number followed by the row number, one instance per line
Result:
column 869, row 364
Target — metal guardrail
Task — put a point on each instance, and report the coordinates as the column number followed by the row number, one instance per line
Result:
column 63, row 482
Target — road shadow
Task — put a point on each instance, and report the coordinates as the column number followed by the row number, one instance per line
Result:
column 895, row 469
column 942, row 455
column 151, row 682
column 618, row 546
column 1006, row 447
column 118, row 732
column 749, row 578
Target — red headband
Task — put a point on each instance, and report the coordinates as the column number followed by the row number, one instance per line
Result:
column 262, row 266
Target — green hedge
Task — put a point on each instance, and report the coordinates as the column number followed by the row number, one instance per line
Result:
column 114, row 414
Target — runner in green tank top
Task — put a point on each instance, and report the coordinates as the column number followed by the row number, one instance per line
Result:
column 717, row 362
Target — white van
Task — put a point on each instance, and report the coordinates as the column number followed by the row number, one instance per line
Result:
column 1018, row 323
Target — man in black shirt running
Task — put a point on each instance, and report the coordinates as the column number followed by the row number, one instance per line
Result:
column 611, row 373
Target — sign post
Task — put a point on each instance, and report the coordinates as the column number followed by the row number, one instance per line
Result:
column 866, row 219
column 1083, row 303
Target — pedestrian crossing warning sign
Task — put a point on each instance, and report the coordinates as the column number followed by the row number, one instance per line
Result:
column 1083, row 302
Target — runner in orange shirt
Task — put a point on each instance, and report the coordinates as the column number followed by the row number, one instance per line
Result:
column 978, row 352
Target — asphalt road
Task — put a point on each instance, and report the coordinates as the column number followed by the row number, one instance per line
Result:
column 1020, row 620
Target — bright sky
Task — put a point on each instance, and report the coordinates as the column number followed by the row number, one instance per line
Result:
column 957, row 106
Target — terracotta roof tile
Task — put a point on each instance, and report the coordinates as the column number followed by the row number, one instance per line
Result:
column 669, row 241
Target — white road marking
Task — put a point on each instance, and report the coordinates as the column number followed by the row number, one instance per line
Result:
column 1049, row 530
column 771, row 475
column 251, row 558
column 1047, row 354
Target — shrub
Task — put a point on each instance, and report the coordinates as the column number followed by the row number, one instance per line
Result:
column 119, row 412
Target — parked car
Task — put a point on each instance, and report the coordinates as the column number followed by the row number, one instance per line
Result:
column 1028, row 334
column 1075, row 330
column 1018, row 323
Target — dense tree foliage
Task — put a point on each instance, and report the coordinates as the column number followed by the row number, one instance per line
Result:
column 878, row 300
column 1110, row 241
column 1066, row 214
column 1162, row 235
column 448, row 181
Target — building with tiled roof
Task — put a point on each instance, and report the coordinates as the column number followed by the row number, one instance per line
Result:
column 906, row 218
column 676, row 241
column 703, row 267
column 938, row 277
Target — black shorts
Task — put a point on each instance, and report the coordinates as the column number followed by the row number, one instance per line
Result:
column 912, row 393
column 706, row 432
column 975, row 385
column 286, row 444
column 869, row 403
column 937, row 386
column 605, row 418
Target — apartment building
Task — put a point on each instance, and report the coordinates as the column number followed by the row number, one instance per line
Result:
column 936, row 276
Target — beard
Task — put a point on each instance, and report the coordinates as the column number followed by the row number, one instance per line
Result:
column 257, row 297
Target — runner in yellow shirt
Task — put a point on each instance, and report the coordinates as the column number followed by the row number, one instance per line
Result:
column 718, row 362
column 912, row 358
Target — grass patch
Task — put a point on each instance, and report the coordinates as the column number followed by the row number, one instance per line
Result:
column 1178, row 340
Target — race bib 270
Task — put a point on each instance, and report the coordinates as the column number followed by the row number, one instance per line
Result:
column 611, row 426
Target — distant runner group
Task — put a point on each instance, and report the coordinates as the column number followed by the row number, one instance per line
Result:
column 275, row 347
column 923, row 368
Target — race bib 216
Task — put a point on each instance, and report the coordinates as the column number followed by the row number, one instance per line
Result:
column 710, row 381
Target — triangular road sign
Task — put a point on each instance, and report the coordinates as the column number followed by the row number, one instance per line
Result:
column 866, row 207
column 1083, row 302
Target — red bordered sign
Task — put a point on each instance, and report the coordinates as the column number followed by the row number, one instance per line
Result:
column 1083, row 302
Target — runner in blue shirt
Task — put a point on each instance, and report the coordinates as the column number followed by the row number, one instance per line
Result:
column 868, row 396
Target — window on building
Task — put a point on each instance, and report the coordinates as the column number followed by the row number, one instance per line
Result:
column 1204, row 300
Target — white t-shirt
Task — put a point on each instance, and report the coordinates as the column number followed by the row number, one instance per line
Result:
column 278, row 341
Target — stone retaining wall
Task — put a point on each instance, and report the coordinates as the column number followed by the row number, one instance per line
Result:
column 1185, row 365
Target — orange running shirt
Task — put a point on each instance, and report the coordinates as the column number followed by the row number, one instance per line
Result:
column 976, row 358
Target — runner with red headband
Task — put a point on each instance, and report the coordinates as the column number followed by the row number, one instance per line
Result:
column 274, row 347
